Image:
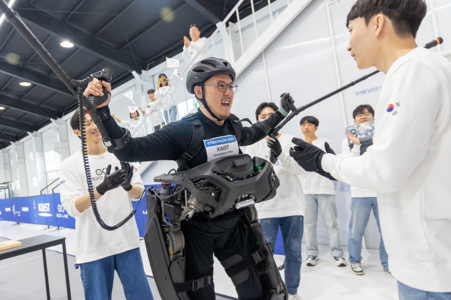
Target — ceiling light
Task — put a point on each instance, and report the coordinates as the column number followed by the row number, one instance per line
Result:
column 25, row 83
column 3, row 15
column 2, row 108
column 67, row 44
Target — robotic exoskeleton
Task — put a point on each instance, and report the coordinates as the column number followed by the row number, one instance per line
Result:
column 212, row 189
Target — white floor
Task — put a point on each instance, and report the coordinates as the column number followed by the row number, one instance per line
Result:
column 324, row 281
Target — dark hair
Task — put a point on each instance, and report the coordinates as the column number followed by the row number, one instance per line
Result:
column 159, row 77
column 309, row 119
column 406, row 15
column 264, row 105
column 151, row 91
column 194, row 25
column 361, row 109
column 135, row 112
column 74, row 121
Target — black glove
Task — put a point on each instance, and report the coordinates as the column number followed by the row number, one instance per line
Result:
column 322, row 173
column 128, row 176
column 307, row 155
column 286, row 104
column 275, row 149
column 111, row 181
column 329, row 149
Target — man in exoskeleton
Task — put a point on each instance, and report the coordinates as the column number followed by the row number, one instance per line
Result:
column 226, row 236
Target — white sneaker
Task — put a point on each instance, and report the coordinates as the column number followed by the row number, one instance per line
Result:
column 340, row 261
column 357, row 269
column 311, row 260
column 294, row 297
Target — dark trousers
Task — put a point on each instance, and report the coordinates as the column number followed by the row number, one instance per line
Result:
column 224, row 238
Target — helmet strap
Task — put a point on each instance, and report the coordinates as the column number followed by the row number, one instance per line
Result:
column 204, row 102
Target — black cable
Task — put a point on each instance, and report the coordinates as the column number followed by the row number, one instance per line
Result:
column 162, row 198
column 80, row 85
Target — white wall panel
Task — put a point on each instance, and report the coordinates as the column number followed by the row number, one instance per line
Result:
column 443, row 12
column 30, row 162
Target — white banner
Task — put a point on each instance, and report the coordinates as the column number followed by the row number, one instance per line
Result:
column 172, row 62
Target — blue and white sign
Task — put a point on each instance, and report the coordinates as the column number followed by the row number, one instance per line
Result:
column 221, row 147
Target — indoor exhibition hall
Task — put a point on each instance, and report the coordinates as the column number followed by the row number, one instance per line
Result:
column 129, row 170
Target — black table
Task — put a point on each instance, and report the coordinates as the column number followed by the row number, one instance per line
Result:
column 40, row 243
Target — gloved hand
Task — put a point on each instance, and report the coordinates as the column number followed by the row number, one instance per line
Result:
column 322, row 173
column 309, row 157
column 128, row 176
column 111, row 181
column 286, row 104
column 329, row 149
column 275, row 149
column 306, row 155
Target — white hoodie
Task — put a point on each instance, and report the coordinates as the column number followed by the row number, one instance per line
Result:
column 194, row 47
column 154, row 111
column 409, row 166
column 290, row 199
column 356, row 192
column 92, row 241
column 169, row 100
column 315, row 184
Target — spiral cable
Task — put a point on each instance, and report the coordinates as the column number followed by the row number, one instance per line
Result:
column 80, row 84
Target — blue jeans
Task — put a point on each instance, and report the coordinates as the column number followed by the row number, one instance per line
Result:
column 292, row 229
column 172, row 113
column 408, row 293
column 360, row 215
column 97, row 276
column 328, row 208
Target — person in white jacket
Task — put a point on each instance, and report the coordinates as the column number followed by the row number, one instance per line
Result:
column 193, row 47
column 153, row 110
column 99, row 252
column 409, row 164
column 134, row 125
column 362, row 200
column 166, row 94
column 319, row 194
column 286, row 210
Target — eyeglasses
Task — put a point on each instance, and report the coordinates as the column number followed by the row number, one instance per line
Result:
column 222, row 86
column 359, row 116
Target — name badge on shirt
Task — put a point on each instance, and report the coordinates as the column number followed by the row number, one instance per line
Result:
column 221, row 147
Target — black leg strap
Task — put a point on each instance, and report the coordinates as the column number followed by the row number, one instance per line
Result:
column 252, row 260
column 193, row 285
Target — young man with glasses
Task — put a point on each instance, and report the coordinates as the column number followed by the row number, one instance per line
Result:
column 409, row 163
column 362, row 200
column 212, row 82
column 191, row 48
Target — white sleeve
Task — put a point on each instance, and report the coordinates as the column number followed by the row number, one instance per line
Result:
column 199, row 44
column 402, row 139
column 157, row 94
column 125, row 123
column 346, row 150
column 251, row 150
column 186, row 56
column 289, row 164
column 136, row 180
column 70, row 189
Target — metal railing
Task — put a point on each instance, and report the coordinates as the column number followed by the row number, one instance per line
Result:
column 49, row 185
